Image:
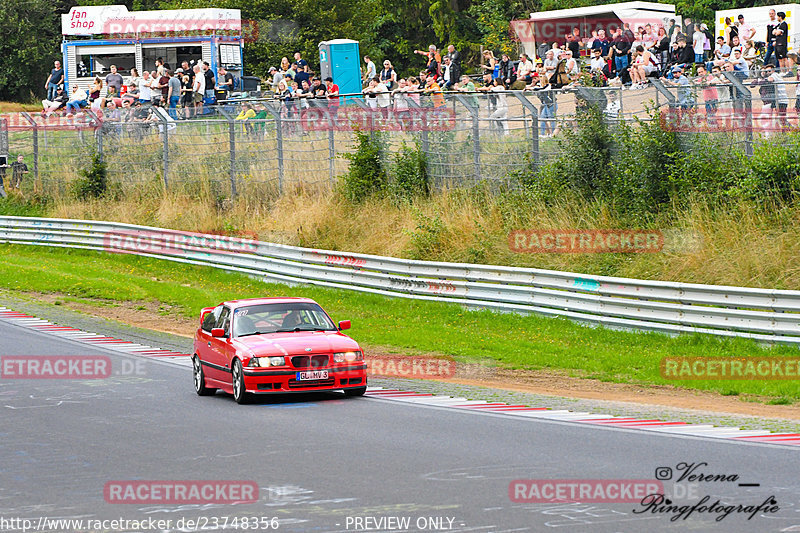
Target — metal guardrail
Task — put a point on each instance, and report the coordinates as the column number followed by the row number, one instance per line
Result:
column 760, row 314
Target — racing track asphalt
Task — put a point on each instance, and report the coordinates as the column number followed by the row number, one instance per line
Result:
column 319, row 459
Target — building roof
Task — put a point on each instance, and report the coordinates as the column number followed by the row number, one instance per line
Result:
column 607, row 8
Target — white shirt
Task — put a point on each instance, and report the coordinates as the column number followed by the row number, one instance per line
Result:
column 78, row 96
column 501, row 98
column 699, row 38
column 144, row 89
column 384, row 100
column 199, row 83
column 597, row 63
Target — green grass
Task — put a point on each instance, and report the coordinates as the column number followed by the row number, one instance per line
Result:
column 399, row 325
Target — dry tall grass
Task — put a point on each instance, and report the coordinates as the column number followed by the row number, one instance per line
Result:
column 738, row 245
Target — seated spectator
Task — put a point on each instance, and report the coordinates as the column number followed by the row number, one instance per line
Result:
column 571, row 66
column 597, row 62
column 112, row 112
column 77, row 100
column 644, row 64
column 94, row 91
column 739, row 64
column 507, row 72
column 750, row 53
column 550, row 63
column 59, row 101
column 525, row 69
column 491, row 64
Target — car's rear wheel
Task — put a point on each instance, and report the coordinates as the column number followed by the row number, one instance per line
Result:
column 239, row 392
column 355, row 392
column 200, row 378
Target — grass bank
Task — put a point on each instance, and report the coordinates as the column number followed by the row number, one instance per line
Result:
column 404, row 326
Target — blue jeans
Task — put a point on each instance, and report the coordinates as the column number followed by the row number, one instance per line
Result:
column 76, row 106
column 52, row 89
column 173, row 103
column 698, row 58
column 620, row 62
column 547, row 111
column 768, row 56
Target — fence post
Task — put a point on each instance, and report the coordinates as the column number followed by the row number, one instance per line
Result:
column 164, row 125
column 232, row 146
column 35, row 145
column 535, row 122
column 276, row 114
column 743, row 93
column 476, row 134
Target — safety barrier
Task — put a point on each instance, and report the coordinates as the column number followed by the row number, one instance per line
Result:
column 669, row 307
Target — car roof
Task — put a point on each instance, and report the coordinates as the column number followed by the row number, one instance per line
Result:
column 274, row 300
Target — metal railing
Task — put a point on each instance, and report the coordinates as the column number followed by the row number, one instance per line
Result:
column 762, row 314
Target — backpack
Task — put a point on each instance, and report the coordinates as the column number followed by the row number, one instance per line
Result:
column 560, row 78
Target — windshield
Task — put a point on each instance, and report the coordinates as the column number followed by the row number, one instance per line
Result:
column 283, row 317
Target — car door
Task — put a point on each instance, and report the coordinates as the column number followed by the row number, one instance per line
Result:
column 218, row 368
column 203, row 342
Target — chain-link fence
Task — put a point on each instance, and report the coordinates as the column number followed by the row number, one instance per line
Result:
column 267, row 145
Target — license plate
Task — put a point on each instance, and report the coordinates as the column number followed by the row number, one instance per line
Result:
column 315, row 375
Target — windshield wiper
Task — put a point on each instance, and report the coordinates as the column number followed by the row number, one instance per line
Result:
column 253, row 333
column 302, row 328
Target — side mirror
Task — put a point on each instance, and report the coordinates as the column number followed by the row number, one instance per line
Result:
column 217, row 332
column 344, row 324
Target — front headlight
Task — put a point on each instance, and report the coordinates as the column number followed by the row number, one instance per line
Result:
column 341, row 357
column 267, row 361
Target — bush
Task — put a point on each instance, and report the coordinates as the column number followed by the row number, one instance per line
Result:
column 366, row 174
column 94, row 180
column 410, row 173
column 775, row 170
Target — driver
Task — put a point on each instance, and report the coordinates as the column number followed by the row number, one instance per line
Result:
column 244, row 325
column 292, row 320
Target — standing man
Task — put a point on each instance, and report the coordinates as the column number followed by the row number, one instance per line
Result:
column 18, row 168
column 371, row 71
column 455, row 62
column 145, row 91
column 210, row 81
column 781, row 33
column 115, row 80
column 302, row 64
column 333, row 95
column 771, row 25
column 55, row 79
column 198, row 90
column 225, row 82
column 173, row 93
column 746, row 31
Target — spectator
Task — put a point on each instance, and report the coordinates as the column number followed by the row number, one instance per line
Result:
column 114, row 79
column 550, row 63
column 746, row 31
column 771, row 38
column 448, row 80
column 613, row 108
column 722, row 51
column 187, row 95
column 739, row 64
column 708, row 83
column 644, row 64
column 225, row 79
column 573, row 44
column 492, row 64
column 245, row 115
column 433, row 89
column 384, row 97
column 500, row 114
column 709, row 39
column 661, row 47
column 174, row 89
column 163, row 86
column 781, row 100
column 290, row 74
column 210, row 81
column 731, row 31
column 781, row 34
column 58, row 101
column 388, row 75
column 371, row 70
column 602, row 43
column 434, row 59
column 302, row 64
column 547, row 111
column 18, row 169
column 698, row 39
column 672, row 30
column 685, row 96
column 159, row 67
column 277, row 76
column 507, row 72
column 412, row 86
column 333, row 95
column 285, row 66
column 737, row 44
column 597, row 63
column 620, row 49
column 301, row 76
column 55, row 79
column 371, row 96
column 111, row 96
column 77, row 100
column 144, row 89
column 94, row 92
column 317, row 86
column 455, row 62
column 198, row 90
column 749, row 53
column 303, row 93
column 400, row 98
column 525, row 69
column 467, row 86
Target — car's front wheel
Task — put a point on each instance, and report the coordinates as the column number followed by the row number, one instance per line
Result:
column 200, row 379
column 355, row 392
column 239, row 392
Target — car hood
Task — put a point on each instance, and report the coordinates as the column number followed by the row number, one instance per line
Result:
column 297, row 343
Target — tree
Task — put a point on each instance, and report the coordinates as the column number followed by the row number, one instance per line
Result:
column 31, row 33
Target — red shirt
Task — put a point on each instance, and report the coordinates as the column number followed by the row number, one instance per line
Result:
column 333, row 100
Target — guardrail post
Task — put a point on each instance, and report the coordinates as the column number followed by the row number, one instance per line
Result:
column 35, row 145
column 276, row 114
column 743, row 93
column 476, row 134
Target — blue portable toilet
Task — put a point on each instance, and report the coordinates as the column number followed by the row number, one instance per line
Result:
column 340, row 60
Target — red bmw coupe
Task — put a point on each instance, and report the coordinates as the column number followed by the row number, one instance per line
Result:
column 274, row 346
